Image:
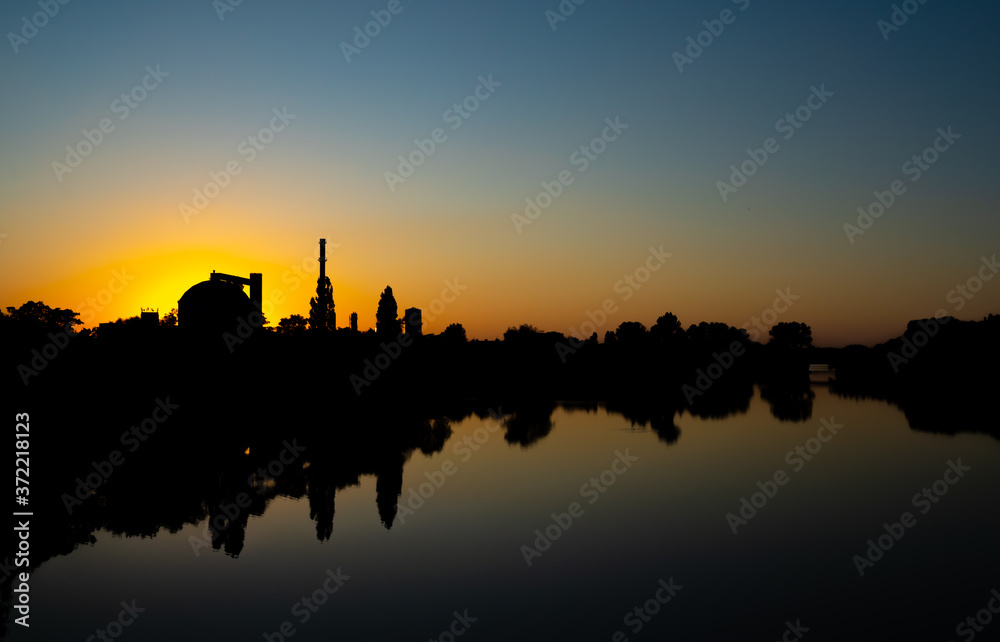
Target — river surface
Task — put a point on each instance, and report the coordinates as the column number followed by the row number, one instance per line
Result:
column 598, row 530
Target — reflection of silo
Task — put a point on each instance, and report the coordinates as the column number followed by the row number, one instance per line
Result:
column 413, row 320
column 354, row 321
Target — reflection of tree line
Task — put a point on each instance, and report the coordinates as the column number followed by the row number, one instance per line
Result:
column 176, row 486
column 265, row 392
column 942, row 373
column 210, row 481
column 170, row 486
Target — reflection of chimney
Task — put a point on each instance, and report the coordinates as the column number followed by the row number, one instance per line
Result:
column 322, row 259
column 257, row 289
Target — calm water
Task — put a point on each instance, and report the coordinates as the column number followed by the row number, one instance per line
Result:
column 661, row 517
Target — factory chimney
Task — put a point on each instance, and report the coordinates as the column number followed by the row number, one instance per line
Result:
column 322, row 259
column 257, row 289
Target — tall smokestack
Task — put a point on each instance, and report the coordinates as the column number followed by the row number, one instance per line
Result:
column 257, row 289
column 322, row 259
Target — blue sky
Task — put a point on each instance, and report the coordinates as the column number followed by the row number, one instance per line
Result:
column 325, row 175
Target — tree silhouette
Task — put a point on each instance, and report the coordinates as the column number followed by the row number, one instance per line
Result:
column 37, row 315
column 667, row 329
column 524, row 332
column 292, row 325
column 386, row 317
column 322, row 312
column 170, row 318
column 455, row 332
column 631, row 333
column 709, row 333
column 790, row 334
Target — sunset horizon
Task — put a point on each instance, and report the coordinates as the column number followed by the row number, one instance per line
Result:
column 538, row 180
column 438, row 320
column 288, row 288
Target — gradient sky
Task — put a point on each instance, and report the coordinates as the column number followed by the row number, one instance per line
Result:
column 324, row 174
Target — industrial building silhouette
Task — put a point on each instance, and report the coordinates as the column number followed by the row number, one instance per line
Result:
column 216, row 305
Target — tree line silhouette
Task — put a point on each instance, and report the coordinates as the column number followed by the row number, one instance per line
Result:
column 88, row 386
column 682, row 366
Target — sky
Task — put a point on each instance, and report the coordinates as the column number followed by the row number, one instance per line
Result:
column 500, row 163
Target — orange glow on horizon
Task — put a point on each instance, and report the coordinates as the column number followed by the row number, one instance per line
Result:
column 496, row 282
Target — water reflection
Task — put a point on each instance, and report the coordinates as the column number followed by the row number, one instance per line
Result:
column 659, row 418
column 223, row 486
column 528, row 422
column 790, row 399
column 217, row 478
